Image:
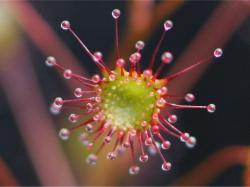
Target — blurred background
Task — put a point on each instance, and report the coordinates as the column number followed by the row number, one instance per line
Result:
column 30, row 150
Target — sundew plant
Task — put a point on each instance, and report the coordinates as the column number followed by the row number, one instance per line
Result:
column 126, row 105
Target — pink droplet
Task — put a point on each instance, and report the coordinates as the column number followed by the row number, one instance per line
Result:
column 164, row 90
column 50, row 61
column 96, row 117
column 78, row 92
column 96, row 78
column 184, row 137
column 89, row 106
column 172, row 119
column 107, row 139
column 98, row 99
column 111, row 156
column 189, row 97
column 91, row 159
column 135, row 58
column 211, row 108
column 67, row 74
column 155, row 129
column 120, row 62
column 191, row 142
column 134, row 170
column 73, row 118
column 116, row 13
column 167, row 57
column 160, row 102
column 65, row 25
column 89, row 128
column 112, row 77
column 166, row 166
column 165, row 145
column 147, row 73
column 98, row 55
column 218, row 52
column 143, row 158
column 148, row 141
column 55, row 109
column 168, row 25
column 139, row 45
column 84, row 138
column 64, row 134
column 58, row 101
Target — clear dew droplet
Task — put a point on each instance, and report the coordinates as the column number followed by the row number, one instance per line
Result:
column 191, row 142
column 134, row 170
column 164, row 90
column 83, row 138
column 165, row 145
column 96, row 78
column 139, row 45
column 143, row 158
column 73, row 118
column 58, row 101
column 90, row 145
column 172, row 119
column 184, row 137
column 218, row 52
column 120, row 62
column 91, row 159
column 55, row 109
column 98, row 55
column 50, row 61
column 112, row 77
column 211, row 108
column 107, row 139
column 160, row 102
column 116, row 13
column 89, row 128
column 189, row 97
column 168, row 25
column 64, row 134
column 78, row 92
column 111, row 155
column 67, row 74
column 166, row 166
column 98, row 99
column 135, row 58
column 65, row 25
column 166, row 57
column 89, row 106
column 147, row 73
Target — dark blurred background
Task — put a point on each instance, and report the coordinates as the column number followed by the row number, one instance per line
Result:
column 225, row 83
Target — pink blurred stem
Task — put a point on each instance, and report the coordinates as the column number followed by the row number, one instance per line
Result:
column 6, row 176
column 43, row 36
column 218, row 162
column 19, row 82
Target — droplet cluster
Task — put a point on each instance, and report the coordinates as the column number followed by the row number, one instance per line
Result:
column 126, row 106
